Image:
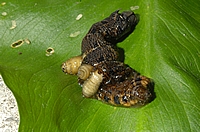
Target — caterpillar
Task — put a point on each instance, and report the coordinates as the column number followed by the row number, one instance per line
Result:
column 100, row 72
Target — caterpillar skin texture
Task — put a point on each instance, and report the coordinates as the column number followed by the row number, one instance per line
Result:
column 100, row 42
column 91, row 85
column 112, row 71
column 100, row 54
column 115, row 71
column 128, row 93
column 72, row 65
column 122, row 85
column 110, row 30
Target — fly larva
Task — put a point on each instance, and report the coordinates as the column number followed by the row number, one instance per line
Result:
column 18, row 43
column 72, row 65
column 84, row 71
column 91, row 85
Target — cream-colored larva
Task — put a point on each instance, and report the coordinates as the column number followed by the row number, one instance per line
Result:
column 72, row 65
column 84, row 71
column 91, row 85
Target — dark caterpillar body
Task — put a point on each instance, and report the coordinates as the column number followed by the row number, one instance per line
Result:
column 118, row 25
column 100, row 42
column 111, row 30
column 120, row 85
column 100, row 72
column 92, row 41
column 115, row 71
column 128, row 93
column 99, row 54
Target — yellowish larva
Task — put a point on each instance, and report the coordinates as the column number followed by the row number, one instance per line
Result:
column 84, row 71
column 91, row 85
column 72, row 65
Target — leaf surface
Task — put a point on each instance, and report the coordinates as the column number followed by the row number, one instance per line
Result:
column 165, row 46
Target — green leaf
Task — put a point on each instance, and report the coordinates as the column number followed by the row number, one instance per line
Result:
column 165, row 46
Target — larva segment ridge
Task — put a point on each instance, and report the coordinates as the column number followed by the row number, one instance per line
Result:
column 72, row 65
column 84, row 71
column 91, row 85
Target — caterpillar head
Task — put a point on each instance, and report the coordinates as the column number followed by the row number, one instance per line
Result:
column 141, row 95
column 120, row 25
